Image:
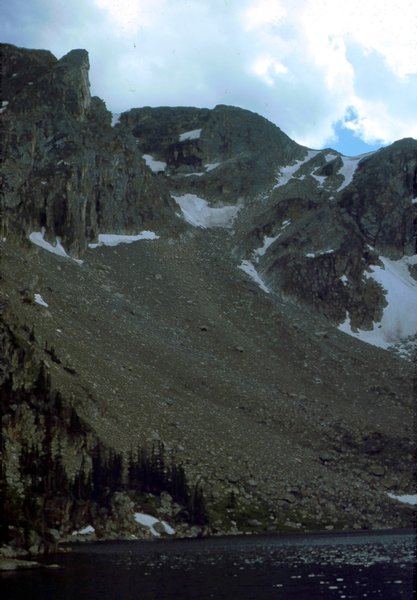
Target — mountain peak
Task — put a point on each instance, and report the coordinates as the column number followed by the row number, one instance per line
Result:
column 191, row 283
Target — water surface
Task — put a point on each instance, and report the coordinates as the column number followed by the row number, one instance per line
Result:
column 290, row 567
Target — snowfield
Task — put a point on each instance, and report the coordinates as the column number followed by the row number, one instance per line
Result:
column 197, row 212
column 39, row 300
column 399, row 319
column 190, row 135
column 156, row 166
column 250, row 270
column 406, row 498
column 287, row 173
column 150, row 522
column 115, row 118
column 112, row 239
column 37, row 238
column 350, row 164
column 87, row 530
column 348, row 170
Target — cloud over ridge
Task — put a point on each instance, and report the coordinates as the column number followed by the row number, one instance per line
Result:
column 313, row 67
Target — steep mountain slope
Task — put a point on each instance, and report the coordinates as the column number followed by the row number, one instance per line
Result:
column 216, row 331
column 313, row 224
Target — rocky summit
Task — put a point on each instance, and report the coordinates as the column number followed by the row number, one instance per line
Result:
column 201, row 320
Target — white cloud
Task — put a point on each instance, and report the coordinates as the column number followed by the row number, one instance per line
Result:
column 132, row 15
column 262, row 12
column 267, row 69
column 304, row 64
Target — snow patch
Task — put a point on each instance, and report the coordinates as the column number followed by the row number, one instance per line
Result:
column 150, row 522
column 344, row 279
column 4, row 105
column 211, row 166
column 349, row 167
column 84, row 531
column 373, row 337
column 250, row 270
column 414, row 201
column 39, row 300
column 208, row 167
column 286, row 173
column 156, row 166
column 399, row 319
column 197, row 212
column 112, row 239
column 319, row 253
column 194, row 134
column 267, row 242
column 320, row 179
column 37, row 238
column 400, row 315
column 406, row 498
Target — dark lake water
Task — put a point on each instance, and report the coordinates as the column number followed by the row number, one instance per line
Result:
column 322, row 566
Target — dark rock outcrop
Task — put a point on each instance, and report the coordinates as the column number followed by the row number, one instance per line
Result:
column 379, row 200
column 64, row 167
column 229, row 154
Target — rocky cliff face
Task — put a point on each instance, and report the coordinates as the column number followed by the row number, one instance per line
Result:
column 64, row 168
column 215, row 336
column 225, row 154
column 313, row 222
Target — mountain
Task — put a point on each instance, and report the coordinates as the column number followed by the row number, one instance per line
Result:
column 200, row 319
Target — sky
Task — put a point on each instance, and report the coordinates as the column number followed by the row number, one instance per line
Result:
column 329, row 73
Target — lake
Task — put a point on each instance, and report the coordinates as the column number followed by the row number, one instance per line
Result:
column 288, row 566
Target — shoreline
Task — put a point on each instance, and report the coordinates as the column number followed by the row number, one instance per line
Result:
column 10, row 564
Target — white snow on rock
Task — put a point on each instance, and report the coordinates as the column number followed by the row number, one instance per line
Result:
column 373, row 337
column 157, row 166
column 406, row 498
column 37, row 238
column 330, row 156
column 319, row 253
column 208, row 167
column 197, row 212
column 194, row 134
column 87, row 530
column 150, row 522
column 115, row 118
column 321, row 179
column 400, row 316
column 212, row 166
column 4, row 105
column 250, row 270
column 414, row 201
column 349, row 167
column 112, row 239
column 267, row 242
column 39, row 300
column 399, row 319
column 286, row 173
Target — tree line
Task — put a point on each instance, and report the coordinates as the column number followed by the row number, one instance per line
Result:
column 45, row 481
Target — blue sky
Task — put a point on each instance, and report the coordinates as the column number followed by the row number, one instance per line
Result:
column 330, row 73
